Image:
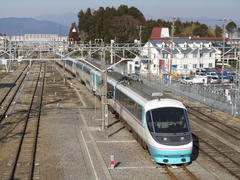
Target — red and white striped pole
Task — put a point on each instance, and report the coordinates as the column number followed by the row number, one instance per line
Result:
column 112, row 163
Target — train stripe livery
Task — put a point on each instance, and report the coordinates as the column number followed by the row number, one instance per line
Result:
column 161, row 123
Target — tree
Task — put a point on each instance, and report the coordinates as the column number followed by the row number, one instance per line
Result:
column 122, row 23
column 123, row 9
column 124, row 28
column 231, row 27
column 201, row 30
column 132, row 11
column 178, row 25
column 218, row 31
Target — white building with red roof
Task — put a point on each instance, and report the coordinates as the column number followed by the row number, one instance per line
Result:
column 189, row 54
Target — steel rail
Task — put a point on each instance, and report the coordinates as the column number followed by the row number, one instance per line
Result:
column 212, row 118
column 9, row 90
column 217, row 161
column 172, row 176
column 12, row 98
column 226, row 132
column 189, row 172
column 37, row 130
column 24, row 129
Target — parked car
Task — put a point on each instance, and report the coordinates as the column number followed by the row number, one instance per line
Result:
column 201, row 73
column 211, row 74
column 213, row 80
column 220, row 74
column 226, row 78
column 231, row 75
column 211, row 70
column 186, row 80
column 199, row 80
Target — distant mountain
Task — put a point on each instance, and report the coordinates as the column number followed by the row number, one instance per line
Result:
column 65, row 19
column 21, row 26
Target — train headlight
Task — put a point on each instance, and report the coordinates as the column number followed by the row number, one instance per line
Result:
column 165, row 139
column 182, row 138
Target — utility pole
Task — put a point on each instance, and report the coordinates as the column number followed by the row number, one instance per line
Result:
column 140, row 50
column 140, row 34
column 8, row 66
column 223, row 51
column 149, row 63
column 171, row 52
column 112, row 42
column 104, row 89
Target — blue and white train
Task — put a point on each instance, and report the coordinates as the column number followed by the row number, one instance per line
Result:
column 160, row 124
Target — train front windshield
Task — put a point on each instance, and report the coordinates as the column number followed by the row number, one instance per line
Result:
column 167, row 120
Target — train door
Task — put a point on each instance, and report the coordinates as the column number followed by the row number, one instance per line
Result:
column 93, row 81
column 143, row 130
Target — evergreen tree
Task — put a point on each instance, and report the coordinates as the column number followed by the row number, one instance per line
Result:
column 231, row 27
column 123, row 24
column 201, row 30
column 218, row 31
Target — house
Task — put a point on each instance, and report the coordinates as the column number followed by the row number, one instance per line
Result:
column 73, row 36
column 188, row 53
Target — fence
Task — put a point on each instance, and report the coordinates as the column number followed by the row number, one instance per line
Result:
column 226, row 98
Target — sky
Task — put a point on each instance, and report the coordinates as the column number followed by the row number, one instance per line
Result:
column 152, row 9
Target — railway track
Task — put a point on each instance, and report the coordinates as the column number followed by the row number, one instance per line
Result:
column 9, row 96
column 24, row 127
column 185, row 173
column 226, row 129
column 28, row 144
column 227, row 158
column 10, row 89
column 223, row 160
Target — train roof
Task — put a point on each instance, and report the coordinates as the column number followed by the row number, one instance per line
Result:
column 137, row 86
column 149, row 95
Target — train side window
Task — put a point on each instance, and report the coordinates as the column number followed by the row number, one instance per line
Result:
column 135, row 109
column 130, row 104
column 149, row 122
column 124, row 99
column 139, row 115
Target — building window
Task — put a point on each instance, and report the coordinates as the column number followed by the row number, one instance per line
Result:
column 201, row 65
column 195, row 55
column 210, row 65
column 194, row 65
column 210, row 54
column 185, row 66
column 185, row 55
